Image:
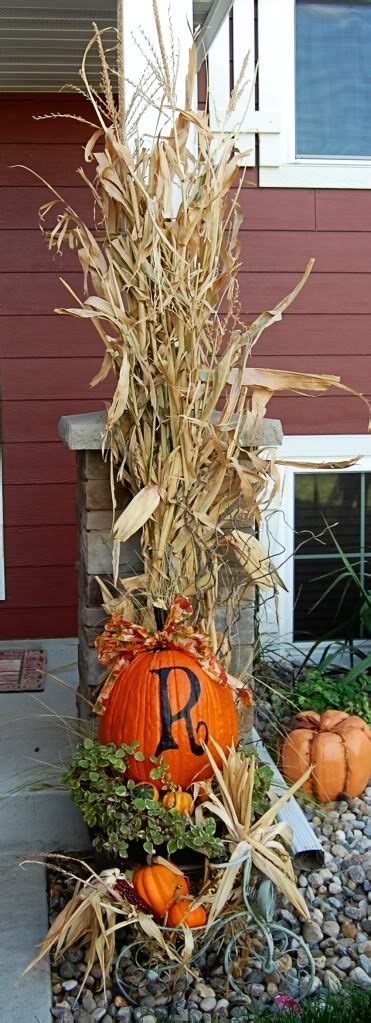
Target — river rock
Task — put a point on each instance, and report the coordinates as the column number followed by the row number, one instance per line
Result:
column 331, row 928
column 312, row 932
column 359, row 977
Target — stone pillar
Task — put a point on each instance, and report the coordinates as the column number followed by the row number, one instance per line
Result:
column 82, row 434
column 94, row 518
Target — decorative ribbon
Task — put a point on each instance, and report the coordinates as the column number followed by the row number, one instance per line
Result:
column 121, row 641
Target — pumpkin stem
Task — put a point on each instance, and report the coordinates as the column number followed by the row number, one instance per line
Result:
column 160, row 617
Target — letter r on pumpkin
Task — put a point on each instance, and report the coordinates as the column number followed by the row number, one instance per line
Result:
column 167, row 740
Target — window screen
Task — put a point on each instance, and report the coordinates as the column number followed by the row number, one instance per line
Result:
column 333, row 78
column 327, row 606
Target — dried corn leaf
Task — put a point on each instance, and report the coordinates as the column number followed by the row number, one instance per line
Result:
column 137, row 513
column 225, row 888
column 254, row 559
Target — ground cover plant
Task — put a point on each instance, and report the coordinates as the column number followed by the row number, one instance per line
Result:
column 340, row 689
column 353, row 1003
column 121, row 812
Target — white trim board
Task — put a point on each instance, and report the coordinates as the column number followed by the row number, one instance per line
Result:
column 279, row 166
column 243, row 117
column 276, row 616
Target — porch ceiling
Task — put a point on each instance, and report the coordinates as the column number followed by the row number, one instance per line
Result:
column 42, row 41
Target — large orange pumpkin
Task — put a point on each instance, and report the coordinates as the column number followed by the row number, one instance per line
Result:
column 159, row 886
column 166, row 702
column 338, row 746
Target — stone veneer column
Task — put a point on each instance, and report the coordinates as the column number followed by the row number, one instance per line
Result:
column 82, row 434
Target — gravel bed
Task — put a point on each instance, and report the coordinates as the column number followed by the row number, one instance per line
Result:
column 339, row 934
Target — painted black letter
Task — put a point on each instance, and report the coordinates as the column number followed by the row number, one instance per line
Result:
column 167, row 718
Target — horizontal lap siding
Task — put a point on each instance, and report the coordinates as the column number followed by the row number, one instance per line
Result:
column 328, row 327
column 47, row 361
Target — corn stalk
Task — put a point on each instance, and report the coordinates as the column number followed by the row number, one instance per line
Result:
column 160, row 286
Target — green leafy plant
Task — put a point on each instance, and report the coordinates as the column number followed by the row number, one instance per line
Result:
column 120, row 812
column 320, row 691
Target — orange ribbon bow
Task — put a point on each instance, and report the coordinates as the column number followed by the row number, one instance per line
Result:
column 121, row 641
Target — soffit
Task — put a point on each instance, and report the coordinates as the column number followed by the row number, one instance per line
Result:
column 42, row 42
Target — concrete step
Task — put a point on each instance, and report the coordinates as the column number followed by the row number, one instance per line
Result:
column 37, row 735
column 41, row 822
column 24, row 922
column 33, row 824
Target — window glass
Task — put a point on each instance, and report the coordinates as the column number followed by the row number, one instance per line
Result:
column 326, row 605
column 332, row 498
column 327, row 601
column 333, row 78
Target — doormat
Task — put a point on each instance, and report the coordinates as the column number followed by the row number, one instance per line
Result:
column 22, row 671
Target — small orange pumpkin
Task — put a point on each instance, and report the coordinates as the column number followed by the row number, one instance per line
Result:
column 338, row 745
column 158, row 886
column 166, row 702
column 180, row 801
column 181, row 912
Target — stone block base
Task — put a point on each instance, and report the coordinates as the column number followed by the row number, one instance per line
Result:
column 94, row 516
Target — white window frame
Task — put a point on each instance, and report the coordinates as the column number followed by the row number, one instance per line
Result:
column 219, row 78
column 277, row 616
column 279, row 166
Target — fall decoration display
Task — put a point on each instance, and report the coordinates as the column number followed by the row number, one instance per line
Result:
column 338, row 748
column 160, row 268
column 181, row 912
column 158, row 886
column 160, row 287
column 239, row 897
column 159, row 695
column 180, row 801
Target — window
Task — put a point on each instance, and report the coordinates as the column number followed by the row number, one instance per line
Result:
column 304, row 552
column 333, row 79
column 327, row 605
column 315, row 79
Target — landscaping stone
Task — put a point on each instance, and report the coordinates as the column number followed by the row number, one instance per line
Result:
column 359, row 977
column 67, row 970
column 339, row 935
column 312, row 932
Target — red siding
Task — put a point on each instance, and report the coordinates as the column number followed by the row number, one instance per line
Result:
column 47, row 361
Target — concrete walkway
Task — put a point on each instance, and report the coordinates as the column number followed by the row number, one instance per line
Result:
column 37, row 734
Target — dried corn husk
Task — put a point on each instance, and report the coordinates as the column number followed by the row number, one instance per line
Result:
column 88, row 919
column 261, row 842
